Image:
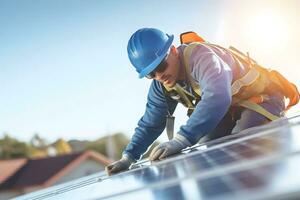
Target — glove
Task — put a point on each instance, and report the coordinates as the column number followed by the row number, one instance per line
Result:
column 120, row 165
column 169, row 148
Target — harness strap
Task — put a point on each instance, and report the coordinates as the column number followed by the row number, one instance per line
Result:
column 248, row 79
column 251, row 76
column 181, row 93
column 187, row 52
column 184, row 94
column 257, row 108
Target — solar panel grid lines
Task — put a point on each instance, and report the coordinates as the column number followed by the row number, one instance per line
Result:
column 226, row 169
column 254, row 150
column 190, row 185
column 238, row 166
column 64, row 189
column 233, row 186
column 222, row 149
column 72, row 187
column 188, row 152
column 223, row 179
column 262, row 149
column 264, row 189
column 239, row 140
column 234, row 183
column 238, row 156
column 225, row 140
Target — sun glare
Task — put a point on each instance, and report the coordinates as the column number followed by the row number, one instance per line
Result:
column 267, row 30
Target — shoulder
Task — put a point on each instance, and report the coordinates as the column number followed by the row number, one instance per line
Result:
column 155, row 88
column 199, row 46
column 202, row 48
column 155, row 93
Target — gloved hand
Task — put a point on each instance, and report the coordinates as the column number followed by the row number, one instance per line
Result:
column 120, row 165
column 169, row 148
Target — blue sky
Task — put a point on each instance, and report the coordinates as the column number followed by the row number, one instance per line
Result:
column 64, row 70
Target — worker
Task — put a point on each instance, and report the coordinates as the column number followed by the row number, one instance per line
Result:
column 224, row 90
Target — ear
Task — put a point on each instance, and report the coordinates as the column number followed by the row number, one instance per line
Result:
column 174, row 50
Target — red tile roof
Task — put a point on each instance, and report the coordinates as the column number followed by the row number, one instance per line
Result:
column 9, row 167
column 45, row 171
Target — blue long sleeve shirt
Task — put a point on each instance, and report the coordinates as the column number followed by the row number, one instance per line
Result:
column 214, row 70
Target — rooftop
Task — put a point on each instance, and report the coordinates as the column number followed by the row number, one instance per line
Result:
column 22, row 173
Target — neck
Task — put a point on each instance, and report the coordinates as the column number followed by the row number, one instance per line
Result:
column 181, row 75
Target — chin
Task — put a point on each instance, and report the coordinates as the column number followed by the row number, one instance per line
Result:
column 170, row 85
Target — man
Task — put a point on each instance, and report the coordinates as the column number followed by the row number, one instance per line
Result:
column 177, row 74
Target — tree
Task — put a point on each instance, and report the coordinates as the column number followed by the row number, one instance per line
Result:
column 12, row 148
column 62, row 147
column 119, row 141
column 38, row 147
column 38, row 142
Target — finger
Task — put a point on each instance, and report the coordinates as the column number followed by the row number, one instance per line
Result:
column 118, row 167
column 108, row 170
column 164, row 154
column 168, row 152
column 113, row 170
column 156, row 154
column 154, row 150
column 109, row 167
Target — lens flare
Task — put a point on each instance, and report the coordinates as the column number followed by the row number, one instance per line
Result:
column 267, row 30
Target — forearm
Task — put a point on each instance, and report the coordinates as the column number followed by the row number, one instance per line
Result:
column 141, row 140
column 206, row 116
column 153, row 122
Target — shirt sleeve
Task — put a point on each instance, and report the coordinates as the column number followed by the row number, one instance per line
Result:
column 153, row 122
column 214, row 77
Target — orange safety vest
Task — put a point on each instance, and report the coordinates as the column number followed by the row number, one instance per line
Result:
column 247, row 91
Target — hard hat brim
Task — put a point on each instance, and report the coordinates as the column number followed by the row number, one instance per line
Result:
column 158, row 60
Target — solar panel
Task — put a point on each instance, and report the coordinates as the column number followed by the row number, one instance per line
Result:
column 259, row 163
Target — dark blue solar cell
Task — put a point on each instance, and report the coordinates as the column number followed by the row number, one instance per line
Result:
column 244, row 151
column 172, row 193
column 203, row 163
column 247, row 179
column 220, row 157
column 214, row 186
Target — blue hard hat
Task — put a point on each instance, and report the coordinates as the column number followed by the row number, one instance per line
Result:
column 146, row 48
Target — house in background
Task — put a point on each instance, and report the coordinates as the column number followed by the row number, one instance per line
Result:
column 20, row 176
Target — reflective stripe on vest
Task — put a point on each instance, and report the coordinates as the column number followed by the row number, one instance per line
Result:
column 251, row 76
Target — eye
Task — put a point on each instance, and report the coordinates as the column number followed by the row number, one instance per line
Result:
column 162, row 67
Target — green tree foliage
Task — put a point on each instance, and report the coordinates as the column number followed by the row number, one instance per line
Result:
column 118, row 142
column 12, row 148
column 111, row 146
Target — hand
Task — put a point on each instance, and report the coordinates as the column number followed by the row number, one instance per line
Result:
column 119, row 166
column 169, row 148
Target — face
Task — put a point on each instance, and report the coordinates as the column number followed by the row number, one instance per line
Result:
column 167, row 72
